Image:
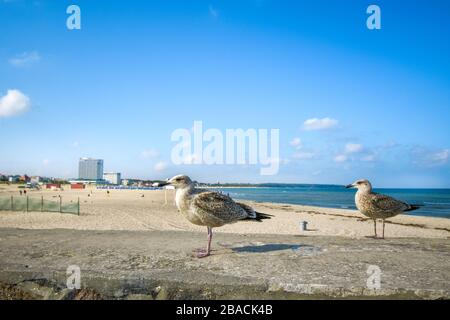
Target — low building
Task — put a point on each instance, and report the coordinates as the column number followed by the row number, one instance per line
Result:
column 53, row 186
column 77, row 186
column 13, row 178
column 24, row 178
column 35, row 179
column 112, row 177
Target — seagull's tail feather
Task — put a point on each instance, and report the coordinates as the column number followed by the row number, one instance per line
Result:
column 261, row 216
column 413, row 207
column 252, row 214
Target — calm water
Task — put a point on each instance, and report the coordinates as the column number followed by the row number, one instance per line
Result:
column 436, row 202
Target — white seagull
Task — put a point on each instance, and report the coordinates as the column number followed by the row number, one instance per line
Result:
column 377, row 206
column 209, row 208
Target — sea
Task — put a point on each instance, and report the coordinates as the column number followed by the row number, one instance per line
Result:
column 434, row 202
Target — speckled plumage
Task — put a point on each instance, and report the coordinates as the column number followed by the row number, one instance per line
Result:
column 377, row 206
column 209, row 208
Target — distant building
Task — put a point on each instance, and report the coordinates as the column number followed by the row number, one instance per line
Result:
column 35, row 179
column 77, row 186
column 53, row 186
column 14, row 178
column 24, row 178
column 90, row 169
column 112, row 177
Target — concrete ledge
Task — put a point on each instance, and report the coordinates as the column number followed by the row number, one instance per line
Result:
column 159, row 265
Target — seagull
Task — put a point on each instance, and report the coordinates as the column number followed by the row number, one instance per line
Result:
column 377, row 206
column 209, row 208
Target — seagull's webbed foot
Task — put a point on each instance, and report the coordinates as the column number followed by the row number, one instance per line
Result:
column 200, row 253
column 376, row 237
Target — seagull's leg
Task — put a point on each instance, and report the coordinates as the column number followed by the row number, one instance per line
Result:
column 375, row 227
column 383, row 230
column 205, row 253
column 208, row 248
column 203, row 249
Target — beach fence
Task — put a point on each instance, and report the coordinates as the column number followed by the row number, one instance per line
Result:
column 29, row 204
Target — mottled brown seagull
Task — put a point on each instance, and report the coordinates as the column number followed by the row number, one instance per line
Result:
column 209, row 208
column 377, row 206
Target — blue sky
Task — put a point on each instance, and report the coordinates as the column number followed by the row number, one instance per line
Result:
column 138, row 70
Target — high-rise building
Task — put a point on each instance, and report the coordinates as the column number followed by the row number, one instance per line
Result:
column 112, row 177
column 90, row 169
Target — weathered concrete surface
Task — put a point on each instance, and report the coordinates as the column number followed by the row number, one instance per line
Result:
column 159, row 265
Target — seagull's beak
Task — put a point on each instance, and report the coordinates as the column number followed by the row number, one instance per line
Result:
column 163, row 184
column 349, row 186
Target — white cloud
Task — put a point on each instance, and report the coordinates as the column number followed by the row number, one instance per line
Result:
column 13, row 103
column 353, row 148
column 150, row 154
column 304, row 155
column 213, row 12
column 430, row 158
column 319, row 124
column 25, row 59
column 278, row 161
column 390, row 144
column 296, row 143
column 340, row 158
column 368, row 158
column 45, row 162
column 160, row 166
column 440, row 157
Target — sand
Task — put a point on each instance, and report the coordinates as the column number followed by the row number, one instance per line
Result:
column 128, row 210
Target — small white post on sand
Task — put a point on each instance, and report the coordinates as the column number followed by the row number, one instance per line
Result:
column 303, row 225
column 165, row 196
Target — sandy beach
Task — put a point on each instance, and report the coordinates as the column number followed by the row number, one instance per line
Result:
column 147, row 210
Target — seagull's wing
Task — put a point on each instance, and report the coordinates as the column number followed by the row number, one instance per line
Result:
column 252, row 214
column 388, row 204
column 212, row 206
